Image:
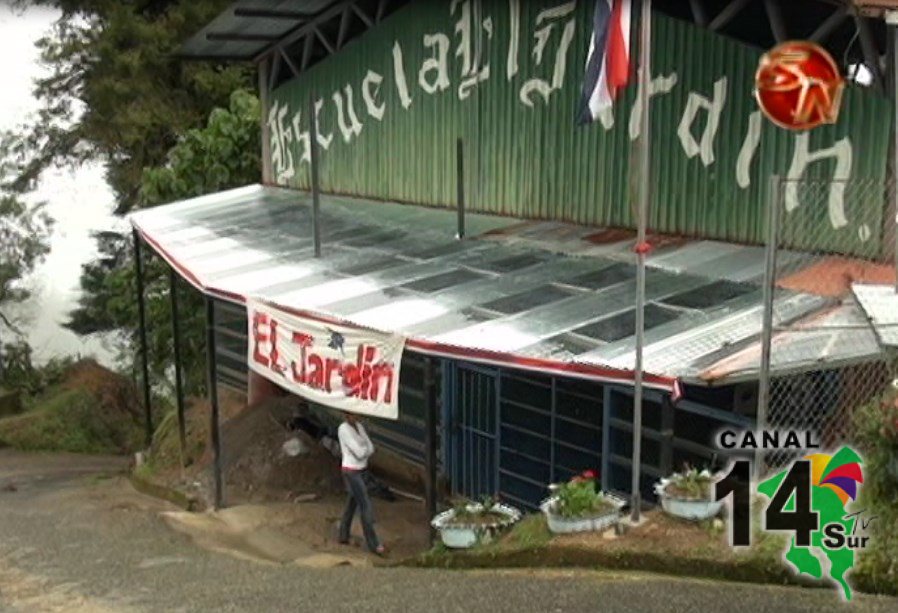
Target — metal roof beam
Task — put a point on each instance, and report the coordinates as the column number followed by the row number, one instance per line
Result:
column 362, row 15
column 311, row 26
column 307, row 48
column 240, row 37
column 289, row 62
column 775, row 17
column 344, row 27
column 871, row 54
column 275, row 71
column 327, row 44
column 270, row 14
column 699, row 14
column 728, row 13
column 830, row 25
column 381, row 9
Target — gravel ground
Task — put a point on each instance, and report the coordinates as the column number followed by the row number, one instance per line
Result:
column 73, row 538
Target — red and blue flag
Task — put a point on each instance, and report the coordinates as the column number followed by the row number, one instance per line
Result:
column 608, row 62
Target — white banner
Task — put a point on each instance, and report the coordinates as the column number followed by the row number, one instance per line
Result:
column 344, row 368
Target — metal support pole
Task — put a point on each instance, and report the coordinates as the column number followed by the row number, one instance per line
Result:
column 142, row 333
column 893, row 219
column 316, row 190
column 212, row 382
column 176, row 345
column 645, row 195
column 264, row 103
column 460, row 186
column 773, row 208
column 430, row 439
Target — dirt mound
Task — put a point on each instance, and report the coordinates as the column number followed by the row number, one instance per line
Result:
column 257, row 467
column 111, row 391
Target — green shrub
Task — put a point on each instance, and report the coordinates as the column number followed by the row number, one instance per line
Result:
column 876, row 426
column 579, row 497
column 70, row 420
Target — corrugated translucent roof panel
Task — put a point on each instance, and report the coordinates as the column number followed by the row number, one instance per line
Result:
column 248, row 27
column 880, row 303
column 525, row 294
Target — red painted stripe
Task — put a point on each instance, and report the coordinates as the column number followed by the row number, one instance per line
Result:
column 498, row 358
column 618, row 65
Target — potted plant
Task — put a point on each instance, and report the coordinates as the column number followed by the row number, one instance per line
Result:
column 468, row 523
column 688, row 494
column 578, row 506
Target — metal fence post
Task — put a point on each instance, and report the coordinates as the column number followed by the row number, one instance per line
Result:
column 430, row 440
column 212, row 381
column 142, row 334
column 893, row 219
column 315, row 185
column 645, row 196
column 264, row 103
column 460, row 186
column 176, row 346
column 773, row 208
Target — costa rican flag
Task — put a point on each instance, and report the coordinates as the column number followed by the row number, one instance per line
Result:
column 608, row 62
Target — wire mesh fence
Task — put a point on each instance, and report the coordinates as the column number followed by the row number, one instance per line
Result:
column 828, row 349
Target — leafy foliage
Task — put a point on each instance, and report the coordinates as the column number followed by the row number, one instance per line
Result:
column 221, row 155
column 876, row 426
column 117, row 90
column 24, row 232
column 579, row 497
column 21, row 374
column 691, row 484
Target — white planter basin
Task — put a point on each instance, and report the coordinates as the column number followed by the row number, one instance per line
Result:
column 564, row 525
column 690, row 509
column 463, row 536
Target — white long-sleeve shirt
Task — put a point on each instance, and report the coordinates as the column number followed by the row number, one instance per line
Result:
column 355, row 446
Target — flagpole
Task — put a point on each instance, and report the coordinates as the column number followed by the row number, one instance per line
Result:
column 641, row 249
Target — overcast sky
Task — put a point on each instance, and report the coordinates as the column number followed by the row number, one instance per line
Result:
column 79, row 201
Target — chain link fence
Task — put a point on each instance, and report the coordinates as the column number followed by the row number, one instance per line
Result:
column 827, row 348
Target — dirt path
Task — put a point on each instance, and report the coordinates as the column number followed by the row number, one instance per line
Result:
column 72, row 538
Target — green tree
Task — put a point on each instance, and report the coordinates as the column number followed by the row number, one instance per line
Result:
column 221, row 155
column 117, row 91
column 24, row 233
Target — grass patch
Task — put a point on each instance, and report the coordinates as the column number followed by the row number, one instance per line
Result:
column 531, row 532
column 70, row 420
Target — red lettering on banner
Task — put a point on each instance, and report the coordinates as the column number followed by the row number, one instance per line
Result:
column 380, row 372
column 304, row 341
column 273, row 355
column 330, row 365
column 316, row 371
column 259, row 337
column 367, row 377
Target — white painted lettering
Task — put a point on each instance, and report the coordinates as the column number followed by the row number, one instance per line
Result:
column 714, row 108
column 803, row 157
column 354, row 127
column 370, row 90
column 399, row 76
column 514, row 38
column 658, row 85
column 747, row 152
column 323, row 139
column 438, row 64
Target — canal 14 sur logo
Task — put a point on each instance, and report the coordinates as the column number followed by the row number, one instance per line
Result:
column 811, row 501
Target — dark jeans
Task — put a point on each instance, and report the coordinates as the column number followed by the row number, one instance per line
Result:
column 358, row 498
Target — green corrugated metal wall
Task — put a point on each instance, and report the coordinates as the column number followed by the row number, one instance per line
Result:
column 535, row 162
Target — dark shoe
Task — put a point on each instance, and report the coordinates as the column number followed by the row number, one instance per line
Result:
column 380, row 550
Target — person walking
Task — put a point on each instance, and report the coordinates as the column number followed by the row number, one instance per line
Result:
column 355, row 449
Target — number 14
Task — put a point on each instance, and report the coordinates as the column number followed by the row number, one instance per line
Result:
column 802, row 520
